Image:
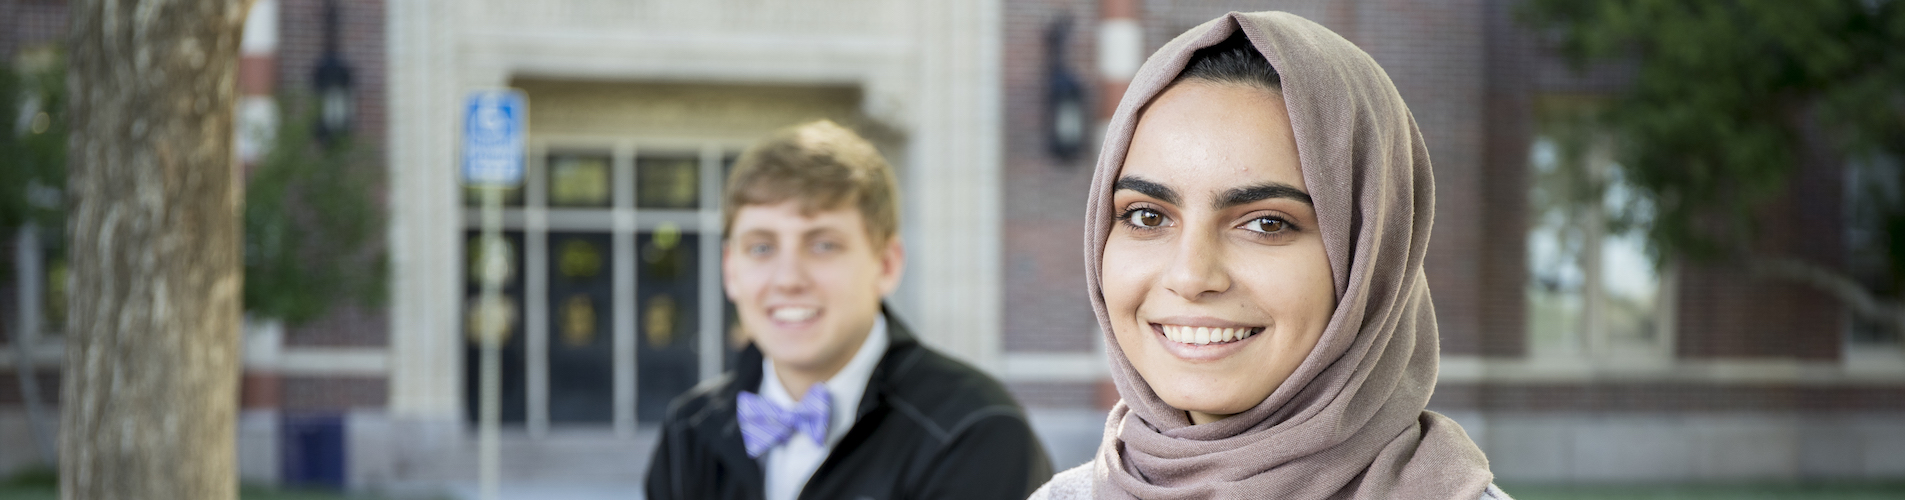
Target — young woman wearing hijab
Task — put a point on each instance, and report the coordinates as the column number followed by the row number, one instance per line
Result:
column 1256, row 232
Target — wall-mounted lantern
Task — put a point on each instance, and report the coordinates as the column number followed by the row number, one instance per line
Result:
column 1066, row 119
column 332, row 80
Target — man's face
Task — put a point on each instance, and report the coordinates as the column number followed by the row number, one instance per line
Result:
column 807, row 287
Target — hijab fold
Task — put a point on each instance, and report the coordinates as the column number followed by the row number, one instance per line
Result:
column 1350, row 422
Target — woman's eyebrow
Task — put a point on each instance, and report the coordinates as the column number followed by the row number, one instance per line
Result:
column 1260, row 192
column 1146, row 188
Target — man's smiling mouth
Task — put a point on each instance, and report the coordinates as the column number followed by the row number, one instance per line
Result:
column 793, row 314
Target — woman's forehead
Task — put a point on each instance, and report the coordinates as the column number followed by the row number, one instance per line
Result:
column 1208, row 138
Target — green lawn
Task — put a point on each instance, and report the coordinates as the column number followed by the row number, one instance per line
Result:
column 1784, row 491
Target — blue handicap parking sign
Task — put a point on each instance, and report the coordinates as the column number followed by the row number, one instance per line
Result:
column 493, row 138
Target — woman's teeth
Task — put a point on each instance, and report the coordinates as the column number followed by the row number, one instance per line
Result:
column 1203, row 336
column 794, row 314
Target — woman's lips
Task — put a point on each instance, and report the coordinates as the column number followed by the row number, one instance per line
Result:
column 1203, row 343
column 1201, row 335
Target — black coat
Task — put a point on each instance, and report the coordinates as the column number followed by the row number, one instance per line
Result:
column 928, row 427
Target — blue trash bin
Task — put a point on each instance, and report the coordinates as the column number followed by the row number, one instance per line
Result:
column 311, row 450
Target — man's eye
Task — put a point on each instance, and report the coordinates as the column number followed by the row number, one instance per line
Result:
column 1268, row 225
column 826, row 247
column 1144, row 218
column 759, row 249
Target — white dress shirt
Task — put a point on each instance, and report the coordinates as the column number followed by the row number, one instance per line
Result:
column 788, row 465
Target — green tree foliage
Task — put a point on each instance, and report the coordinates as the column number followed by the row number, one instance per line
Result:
column 32, row 141
column 1726, row 98
column 312, row 223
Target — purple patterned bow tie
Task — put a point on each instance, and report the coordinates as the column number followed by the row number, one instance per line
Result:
column 765, row 424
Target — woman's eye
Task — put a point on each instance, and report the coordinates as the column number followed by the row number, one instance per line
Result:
column 1144, row 218
column 1267, row 225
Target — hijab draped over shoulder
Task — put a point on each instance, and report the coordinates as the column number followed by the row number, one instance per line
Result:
column 1351, row 421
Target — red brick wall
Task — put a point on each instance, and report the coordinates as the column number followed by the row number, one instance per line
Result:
column 1045, row 306
column 332, row 393
column 1508, row 124
column 26, row 23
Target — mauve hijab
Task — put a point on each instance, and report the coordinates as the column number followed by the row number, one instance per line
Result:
column 1350, row 422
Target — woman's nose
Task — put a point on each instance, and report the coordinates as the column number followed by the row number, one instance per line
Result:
column 1196, row 268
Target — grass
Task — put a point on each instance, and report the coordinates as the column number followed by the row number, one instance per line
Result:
column 1770, row 491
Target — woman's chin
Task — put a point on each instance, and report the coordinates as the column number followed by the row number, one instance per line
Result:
column 1214, row 408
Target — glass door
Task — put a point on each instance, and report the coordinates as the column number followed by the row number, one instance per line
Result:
column 613, row 295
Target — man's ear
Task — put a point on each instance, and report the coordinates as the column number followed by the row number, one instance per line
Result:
column 727, row 270
column 892, row 265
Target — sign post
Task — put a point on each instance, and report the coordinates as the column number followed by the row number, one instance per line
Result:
column 493, row 130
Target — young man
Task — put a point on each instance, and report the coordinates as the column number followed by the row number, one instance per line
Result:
column 834, row 398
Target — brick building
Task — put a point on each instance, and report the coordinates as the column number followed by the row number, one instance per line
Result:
column 1563, row 367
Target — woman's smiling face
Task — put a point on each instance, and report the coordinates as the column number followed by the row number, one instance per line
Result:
column 1214, row 273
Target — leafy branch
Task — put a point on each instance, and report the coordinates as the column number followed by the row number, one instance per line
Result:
column 311, row 224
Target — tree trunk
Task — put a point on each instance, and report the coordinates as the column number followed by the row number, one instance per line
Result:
column 151, row 377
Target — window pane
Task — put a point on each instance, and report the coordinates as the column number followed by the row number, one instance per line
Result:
column 581, row 350
column 510, row 308
column 1630, row 286
column 667, row 182
column 578, row 180
column 1875, row 196
column 667, row 321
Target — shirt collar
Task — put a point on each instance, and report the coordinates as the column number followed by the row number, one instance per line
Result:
column 847, row 386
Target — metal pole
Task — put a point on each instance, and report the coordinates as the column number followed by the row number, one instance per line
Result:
column 493, row 155
column 495, row 322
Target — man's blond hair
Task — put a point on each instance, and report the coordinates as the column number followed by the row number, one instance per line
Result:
column 821, row 165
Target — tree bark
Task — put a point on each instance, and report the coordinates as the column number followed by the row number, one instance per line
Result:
column 150, row 399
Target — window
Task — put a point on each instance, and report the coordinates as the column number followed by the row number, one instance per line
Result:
column 1875, row 204
column 1593, row 290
